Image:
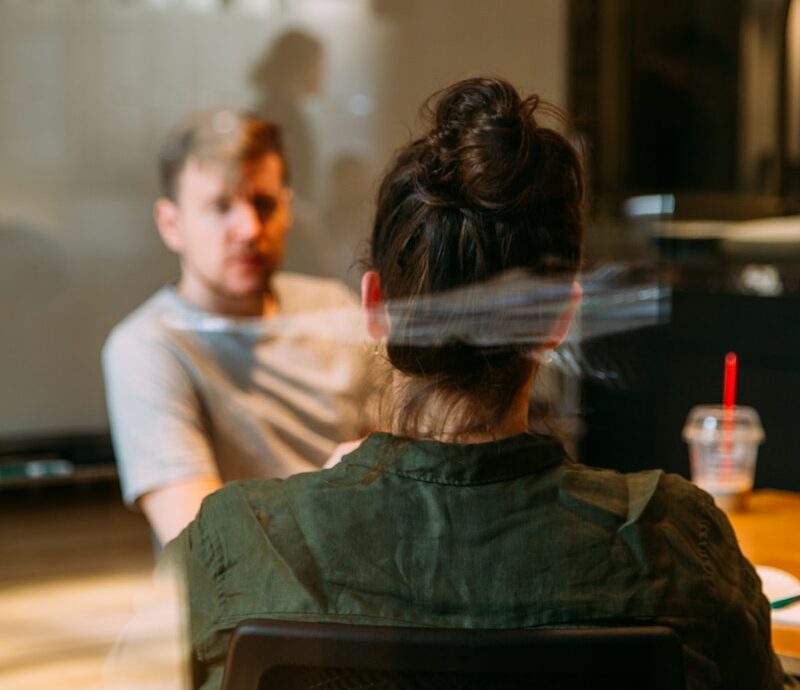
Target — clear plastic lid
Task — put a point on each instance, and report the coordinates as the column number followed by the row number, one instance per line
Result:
column 707, row 422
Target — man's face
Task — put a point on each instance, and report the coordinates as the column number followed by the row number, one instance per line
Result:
column 229, row 231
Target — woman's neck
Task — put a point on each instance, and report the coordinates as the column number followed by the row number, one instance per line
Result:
column 445, row 417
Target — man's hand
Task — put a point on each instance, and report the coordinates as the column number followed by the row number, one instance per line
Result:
column 171, row 508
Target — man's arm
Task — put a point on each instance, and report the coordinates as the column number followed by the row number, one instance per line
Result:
column 169, row 509
column 164, row 455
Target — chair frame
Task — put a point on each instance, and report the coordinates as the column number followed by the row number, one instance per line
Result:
column 257, row 645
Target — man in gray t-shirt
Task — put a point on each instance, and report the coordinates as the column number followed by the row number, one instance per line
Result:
column 207, row 381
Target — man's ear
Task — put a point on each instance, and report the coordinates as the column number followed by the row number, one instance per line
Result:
column 561, row 328
column 374, row 309
column 165, row 213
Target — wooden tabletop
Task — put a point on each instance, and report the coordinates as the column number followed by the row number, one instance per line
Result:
column 769, row 534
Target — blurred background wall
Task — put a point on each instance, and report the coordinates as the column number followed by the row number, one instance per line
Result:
column 88, row 89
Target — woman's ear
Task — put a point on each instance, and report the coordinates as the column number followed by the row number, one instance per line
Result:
column 561, row 328
column 165, row 213
column 374, row 309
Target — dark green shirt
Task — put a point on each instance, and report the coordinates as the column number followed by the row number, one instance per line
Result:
column 506, row 534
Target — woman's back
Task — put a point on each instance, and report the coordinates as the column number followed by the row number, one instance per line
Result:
column 506, row 534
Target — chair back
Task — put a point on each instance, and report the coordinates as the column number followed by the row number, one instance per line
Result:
column 291, row 655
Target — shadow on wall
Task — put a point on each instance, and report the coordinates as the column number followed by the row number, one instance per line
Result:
column 289, row 71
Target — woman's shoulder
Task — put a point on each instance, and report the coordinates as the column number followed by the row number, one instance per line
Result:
column 254, row 504
column 238, row 495
column 636, row 496
column 650, row 481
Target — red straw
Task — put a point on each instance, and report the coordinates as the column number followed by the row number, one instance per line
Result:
column 728, row 403
column 729, row 384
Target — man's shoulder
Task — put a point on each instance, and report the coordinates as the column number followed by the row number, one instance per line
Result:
column 301, row 292
column 143, row 326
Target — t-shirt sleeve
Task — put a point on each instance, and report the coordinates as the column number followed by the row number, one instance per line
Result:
column 157, row 421
column 745, row 654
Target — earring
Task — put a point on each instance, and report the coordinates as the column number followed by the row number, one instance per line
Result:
column 379, row 348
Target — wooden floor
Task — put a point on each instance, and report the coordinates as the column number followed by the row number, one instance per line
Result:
column 73, row 561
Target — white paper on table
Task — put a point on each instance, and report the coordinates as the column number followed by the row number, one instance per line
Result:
column 778, row 584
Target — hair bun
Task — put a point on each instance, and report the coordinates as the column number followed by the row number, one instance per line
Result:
column 481, row 147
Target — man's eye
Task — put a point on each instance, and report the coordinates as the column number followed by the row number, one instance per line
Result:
column 222, row 206
column 265, row 206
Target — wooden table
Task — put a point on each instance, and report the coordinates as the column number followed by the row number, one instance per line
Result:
column 769, row 534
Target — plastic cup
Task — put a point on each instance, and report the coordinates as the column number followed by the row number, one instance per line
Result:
column 723, row 443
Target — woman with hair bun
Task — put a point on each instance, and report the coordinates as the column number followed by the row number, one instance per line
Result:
column 456, row 515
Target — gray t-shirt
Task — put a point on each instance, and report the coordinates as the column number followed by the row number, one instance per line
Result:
column 191, row 394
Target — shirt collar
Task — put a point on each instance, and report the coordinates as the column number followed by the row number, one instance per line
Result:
column 458, row 463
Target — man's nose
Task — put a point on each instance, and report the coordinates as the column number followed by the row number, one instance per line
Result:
column 247, row 221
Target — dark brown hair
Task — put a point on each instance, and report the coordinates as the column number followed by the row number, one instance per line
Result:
column 485, row 191
column 229, row 137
